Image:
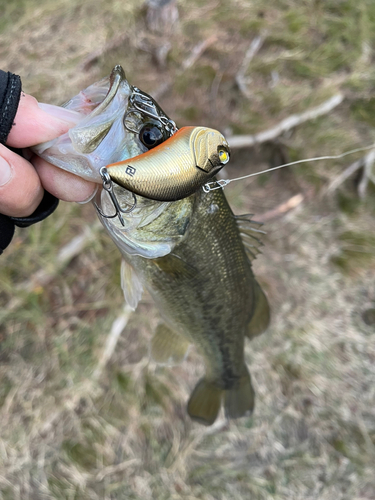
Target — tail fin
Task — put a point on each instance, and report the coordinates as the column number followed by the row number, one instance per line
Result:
column 204, row 403
column 239, row 401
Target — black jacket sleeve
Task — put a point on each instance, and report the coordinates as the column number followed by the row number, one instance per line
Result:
column 10, row 93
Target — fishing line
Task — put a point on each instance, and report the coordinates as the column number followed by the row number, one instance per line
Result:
column 221, row 183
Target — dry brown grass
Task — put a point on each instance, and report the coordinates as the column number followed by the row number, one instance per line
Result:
column 71, row 432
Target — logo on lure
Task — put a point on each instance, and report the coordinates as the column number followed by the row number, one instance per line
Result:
column 176, row 168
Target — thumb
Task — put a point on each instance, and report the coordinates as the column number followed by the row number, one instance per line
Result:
column 20, row 187
column 35, row 123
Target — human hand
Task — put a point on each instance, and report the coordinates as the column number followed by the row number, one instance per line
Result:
column 22, row 182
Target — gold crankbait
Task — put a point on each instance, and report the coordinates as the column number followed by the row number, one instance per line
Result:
column 176, row 168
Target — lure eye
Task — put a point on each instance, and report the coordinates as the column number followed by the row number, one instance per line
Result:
column 151, row 136
column 223, row 156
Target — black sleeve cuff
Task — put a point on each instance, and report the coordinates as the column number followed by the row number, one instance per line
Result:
column 10, row 93
column 7, row 224
column 6, row 232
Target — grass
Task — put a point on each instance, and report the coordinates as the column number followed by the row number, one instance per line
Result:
column 67, row 434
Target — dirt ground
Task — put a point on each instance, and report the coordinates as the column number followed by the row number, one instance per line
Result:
column 77, row 423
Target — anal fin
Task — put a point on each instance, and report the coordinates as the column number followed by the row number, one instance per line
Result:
column 168, row 347
column 261, row 317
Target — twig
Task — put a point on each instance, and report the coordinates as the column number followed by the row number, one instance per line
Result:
column 293, row 202
column 43, row 276
column 367, row 176
column 195, row 54
column 197, row 51
column 65, row 255
column 114, row 469
column 117, row 328
column 245, row 141
column 241, row 79
column 366, row 160
column 89, row 384
column 344, row 175
column 96, row 54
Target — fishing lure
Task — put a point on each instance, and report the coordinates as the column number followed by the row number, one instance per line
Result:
column 176, row 168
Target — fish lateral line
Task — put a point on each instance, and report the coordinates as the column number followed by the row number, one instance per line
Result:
column 221, row 183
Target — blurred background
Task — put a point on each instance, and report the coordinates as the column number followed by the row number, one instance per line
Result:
column 81, row 418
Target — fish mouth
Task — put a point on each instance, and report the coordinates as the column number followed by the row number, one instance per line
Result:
column 99, row 136
column 112, row 113
column 116, row 77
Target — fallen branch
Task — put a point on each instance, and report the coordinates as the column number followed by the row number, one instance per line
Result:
column 241, row 79
column 195, row 54
column 245, row 141
column 293, row 202
column 64, row 256
column 44, row 276
column 368, row 175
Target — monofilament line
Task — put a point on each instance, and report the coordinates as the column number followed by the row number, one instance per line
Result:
column 211, row 186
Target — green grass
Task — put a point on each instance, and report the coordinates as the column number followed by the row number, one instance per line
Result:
column 69, row 434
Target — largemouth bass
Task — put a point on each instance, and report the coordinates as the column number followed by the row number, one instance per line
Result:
column 192, row 255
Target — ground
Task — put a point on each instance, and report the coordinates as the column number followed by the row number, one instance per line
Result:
column 77, row 425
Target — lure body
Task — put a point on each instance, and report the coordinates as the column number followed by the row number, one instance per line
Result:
column 176, row 168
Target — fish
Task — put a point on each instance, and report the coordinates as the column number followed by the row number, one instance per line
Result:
column 192, row 255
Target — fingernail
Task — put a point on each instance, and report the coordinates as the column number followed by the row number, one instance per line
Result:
column 89, row 198
column 66, row 115
column 6, row 172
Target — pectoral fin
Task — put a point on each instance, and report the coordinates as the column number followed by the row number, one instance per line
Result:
column 175, row 267
column 204, row 403
column 130, row 284
column 239, row 401
column 167, row 347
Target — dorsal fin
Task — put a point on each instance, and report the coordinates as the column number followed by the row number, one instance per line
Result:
column 250, row 234
column 130, row 284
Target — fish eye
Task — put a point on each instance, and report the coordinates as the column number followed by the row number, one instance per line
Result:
column 151, row 136
column 223, row 155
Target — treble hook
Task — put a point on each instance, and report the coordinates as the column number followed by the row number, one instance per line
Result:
column 108, row 186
